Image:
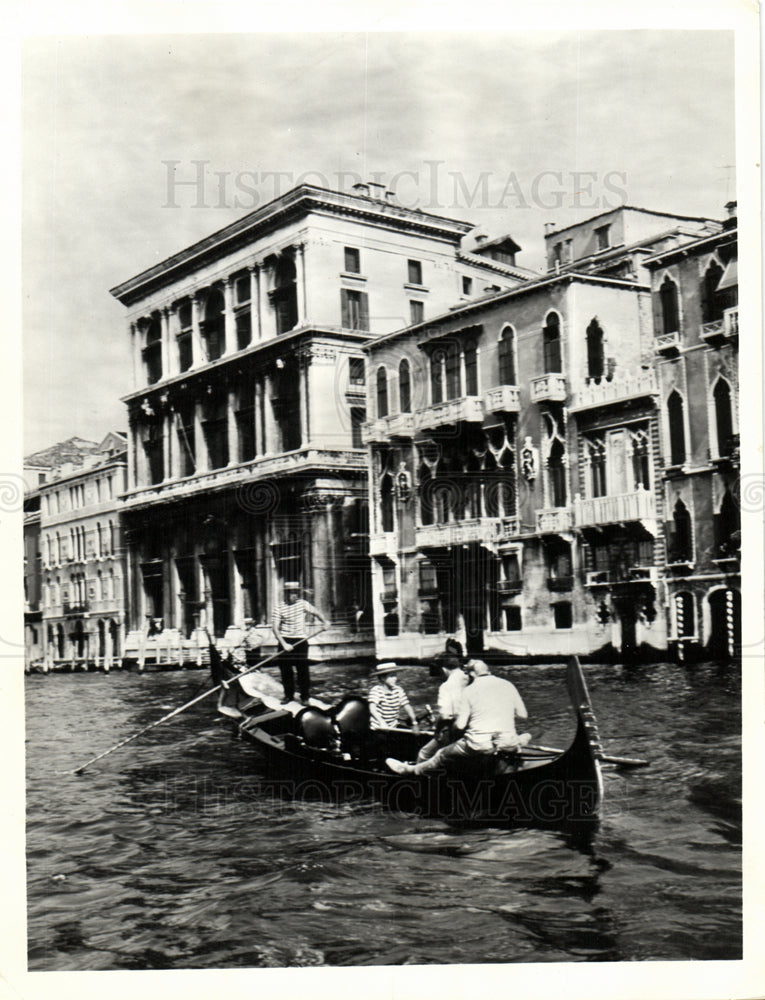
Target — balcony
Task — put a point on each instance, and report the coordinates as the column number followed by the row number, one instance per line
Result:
column 548, row 389
column 618, row 390
column 382, row 430
column 554, row 520
column 76, row 609
column 668, row 344
column 509, row 587
column 721, row 331
column 298, row 462
column 486, row 530
column 560, row 584
column 467, row 409
column 622, row 508
column 382, row 542
column 390, row 596
column 503, row 399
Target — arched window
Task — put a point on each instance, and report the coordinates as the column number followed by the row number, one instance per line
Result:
column 712, row 303
column 670, row 315
column 676, row 419
column 213, row 326
column 723, row 417
column 595, row 355
column 727, row 528
column 551, row 343
column 506, row 350
column 404, row 387
column 386, row 503
column 685, row 624
column 557, row 472
column 681, row 538
column 382, row 392
column 152, row 351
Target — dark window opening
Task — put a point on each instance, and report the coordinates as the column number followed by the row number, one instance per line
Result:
column 152, row 588
column 562, row 614
column 712, row 302
column 670, row 314
column 425, row 495
column 557, row 474
column 386, row 503
column 603, row 237
column 595, row 353
column 352, row 260
column 217, row 586
column 358, row 415
column 436, row 375
column 506, row 349
column 641, row 461
column 184, row 335
column 404, row 387
column 153, row 449
column 676, row 419
column 551, row 344
column 382, row 392
column 152, row 352
column 215, row 431
column 416, row 311
column 354, row 307
column 414, row 272
column 453, row 371
column 214, row 325
column 286, row 406
column 243, row 329
column 467, row 285
column 680, row 535
column 284, row 295
column 245, row 423
column 597, row 454
column 723, row 417
column 513, row 618
column 728, row 528
column 356, row 374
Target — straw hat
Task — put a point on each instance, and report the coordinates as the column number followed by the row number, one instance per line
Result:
column 386, row 668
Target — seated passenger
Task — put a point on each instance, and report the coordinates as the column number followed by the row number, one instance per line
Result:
column 449, row 699
column 387, row 700
column 486, row 716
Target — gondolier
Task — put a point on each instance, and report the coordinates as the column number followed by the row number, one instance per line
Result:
column 289, row 624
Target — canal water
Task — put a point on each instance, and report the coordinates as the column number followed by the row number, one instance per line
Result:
column 168, row 854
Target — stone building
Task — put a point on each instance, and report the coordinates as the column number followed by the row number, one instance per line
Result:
column 245, row 461
column 82, row 560
column 695, row 305
column 516, row 457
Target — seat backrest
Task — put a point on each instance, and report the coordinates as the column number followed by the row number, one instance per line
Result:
column 352, row 716
column 315, row 726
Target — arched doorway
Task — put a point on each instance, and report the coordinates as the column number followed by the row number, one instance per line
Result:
column 724, row 624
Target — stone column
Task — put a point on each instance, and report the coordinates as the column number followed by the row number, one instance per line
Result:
column 135, row 350
column 259, row 418
column 196, row 344
column 305, row 362
column 229, row 334
column 235, row 587
column 256, row 322
column 164, row 319
column 131, row 445
column 270, row 429
column 232, row 432
column 200, row 446
column 300, row 283
column 167, row 450
column 324, row 583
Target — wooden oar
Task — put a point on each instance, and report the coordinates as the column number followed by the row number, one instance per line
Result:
column 182, row 708
column 606, row 758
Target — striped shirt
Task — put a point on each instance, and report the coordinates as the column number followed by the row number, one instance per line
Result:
column 388, row 701
column 290, row 618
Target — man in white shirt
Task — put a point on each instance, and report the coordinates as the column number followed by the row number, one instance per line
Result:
column 486, row 716
column 290, row 628
column 449, row 700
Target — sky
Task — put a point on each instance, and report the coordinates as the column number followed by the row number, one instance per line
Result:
column 506, row 130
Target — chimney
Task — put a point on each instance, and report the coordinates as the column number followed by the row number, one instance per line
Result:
column 549, row 228
column 361, row 189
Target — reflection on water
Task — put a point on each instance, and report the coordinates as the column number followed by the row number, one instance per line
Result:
column 168, row 854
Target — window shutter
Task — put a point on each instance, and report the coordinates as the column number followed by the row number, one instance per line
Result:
column 363, row 311
column 345, row 310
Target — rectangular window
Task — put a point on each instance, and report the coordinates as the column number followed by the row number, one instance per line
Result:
column 354, row 307
column 416, row 311
column 467, row 285
column 602, row 237
column 352, row 260
column 471, row 370
column 358, row 415
column 414, row 269
column 356, row 371
column 562, row 614
column 512, row 618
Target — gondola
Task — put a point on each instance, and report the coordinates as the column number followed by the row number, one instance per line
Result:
column 330, row 754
